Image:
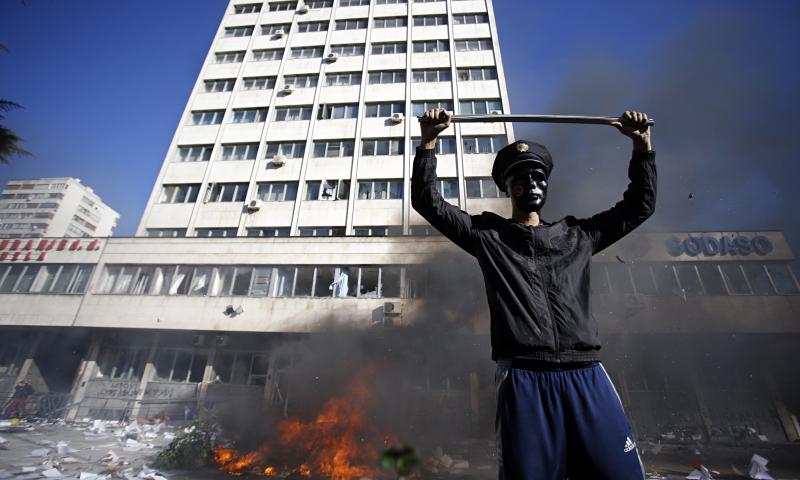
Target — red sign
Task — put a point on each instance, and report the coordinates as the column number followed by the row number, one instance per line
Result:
column 16, row 250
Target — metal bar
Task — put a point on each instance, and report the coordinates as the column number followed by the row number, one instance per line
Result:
column 536, row 119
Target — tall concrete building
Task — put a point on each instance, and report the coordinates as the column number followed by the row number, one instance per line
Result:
column 302, row 120
column 53, row 207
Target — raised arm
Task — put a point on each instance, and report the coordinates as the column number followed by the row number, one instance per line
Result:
column 639, row 200
column 453, row 222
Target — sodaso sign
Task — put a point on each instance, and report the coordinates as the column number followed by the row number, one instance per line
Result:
column 712, row 246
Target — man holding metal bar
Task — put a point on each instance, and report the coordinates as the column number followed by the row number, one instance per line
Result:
column 558, row 414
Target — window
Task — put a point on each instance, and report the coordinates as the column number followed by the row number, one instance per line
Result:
column 258, row 83
column 266, row 55
column 484, row 144
column 353, row 3
column 334, row 148
column 643, row 280
column 239, row 151
column 382, row 231
column 470, row 19
column 207, row 117
column 268, row 232
column 393, row 76
column 620, row 279
column 213, row 86
column 473, row 45
column 342, row 79
column 782, row 278
column 375, row 110
column 248, row 8
column 193, row 153
column 419, row 108
column 186, row 193
column 121, row 363
column 480, row 106
column 711, row 276
column 275, row 29
column 215, row 232
column 321, row 232
column 288, row 114
column 327, row 190
column 287, row 149
column 249, row 115
column 305, row 27
column 380, row 189
column 430, row 76
column 444, row 145
column 228, row 57
column 689, row 279
column 390, row 2
column 430, row 20
column 390, row 22
column 477, row 74
column 166, row 232
column 344, row 110
column 282, row 6
column 735, row 279
column 237, row 32
column 431, row 46
column 350, row 50
column 226, row 192
column 483, row 187
column 301, row 81
column 277, row 191
column 666, row 280
column 319, row 3
column 307, row 52
column 182, row 366
column 757, row 278
column 388, row 48
column 351, row 24
column 448, row 187
column 379, row 146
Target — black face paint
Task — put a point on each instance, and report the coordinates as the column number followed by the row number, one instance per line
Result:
column 526, row 184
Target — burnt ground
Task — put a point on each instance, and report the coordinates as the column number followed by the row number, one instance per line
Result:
column 84, row 448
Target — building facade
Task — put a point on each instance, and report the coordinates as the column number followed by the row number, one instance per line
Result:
column 53, row 207
column 301, row 121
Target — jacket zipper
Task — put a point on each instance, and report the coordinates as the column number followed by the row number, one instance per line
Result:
column 556, row 343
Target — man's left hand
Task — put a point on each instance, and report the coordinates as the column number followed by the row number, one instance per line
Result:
column 634, row 126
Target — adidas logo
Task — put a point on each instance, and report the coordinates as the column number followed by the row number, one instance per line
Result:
column 629, row 445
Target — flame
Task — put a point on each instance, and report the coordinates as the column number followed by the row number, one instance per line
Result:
column 340, row 443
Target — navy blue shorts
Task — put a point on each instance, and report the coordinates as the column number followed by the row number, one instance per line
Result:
column 553, row 425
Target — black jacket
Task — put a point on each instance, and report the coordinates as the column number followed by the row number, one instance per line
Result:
column 537, row 278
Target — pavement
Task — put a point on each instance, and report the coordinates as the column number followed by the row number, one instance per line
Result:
column 103, row 450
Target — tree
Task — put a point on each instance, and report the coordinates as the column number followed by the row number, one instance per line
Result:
column 9, row 141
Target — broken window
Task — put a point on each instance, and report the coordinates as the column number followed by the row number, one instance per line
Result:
column 620, row 279
column 759, row 281
column 734, row 278
column 689, row 280
column 173, row 365
column 712, row 279
column 241, row 280
column 282, row 281
column 304, row 282
column 643, row 279
column 344, row 282
column 390, row 282
column 782, row 278
column 368, row 284
column 121, row 363
column 259, row 369
column 324, row 282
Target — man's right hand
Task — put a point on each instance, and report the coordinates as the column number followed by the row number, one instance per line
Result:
column 432, row 123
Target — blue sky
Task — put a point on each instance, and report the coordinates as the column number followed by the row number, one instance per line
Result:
column 104, row 83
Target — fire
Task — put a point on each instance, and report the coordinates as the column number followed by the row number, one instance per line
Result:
column 340, row 443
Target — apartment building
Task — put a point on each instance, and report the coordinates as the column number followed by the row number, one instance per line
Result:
column 53, row 207
column 302, row 120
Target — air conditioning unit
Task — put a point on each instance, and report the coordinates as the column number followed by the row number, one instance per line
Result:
column 279, row 32
column 254, row 205
column 332, row 57
column 279, row 160
column 220, row 340
column 392, row 308
column 396, row 118
column 198, row 340
column 303, row 9
column 495, row 112
column 287, row 89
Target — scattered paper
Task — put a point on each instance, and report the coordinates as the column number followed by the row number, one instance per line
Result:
column 40, row 452
column 52, row 473
column 758, row 468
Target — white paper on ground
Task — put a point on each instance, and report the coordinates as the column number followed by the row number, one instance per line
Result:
column 52, row 473
column 40, row 452
column 758, row 468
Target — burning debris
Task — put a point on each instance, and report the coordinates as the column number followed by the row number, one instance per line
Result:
column 340, row 443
